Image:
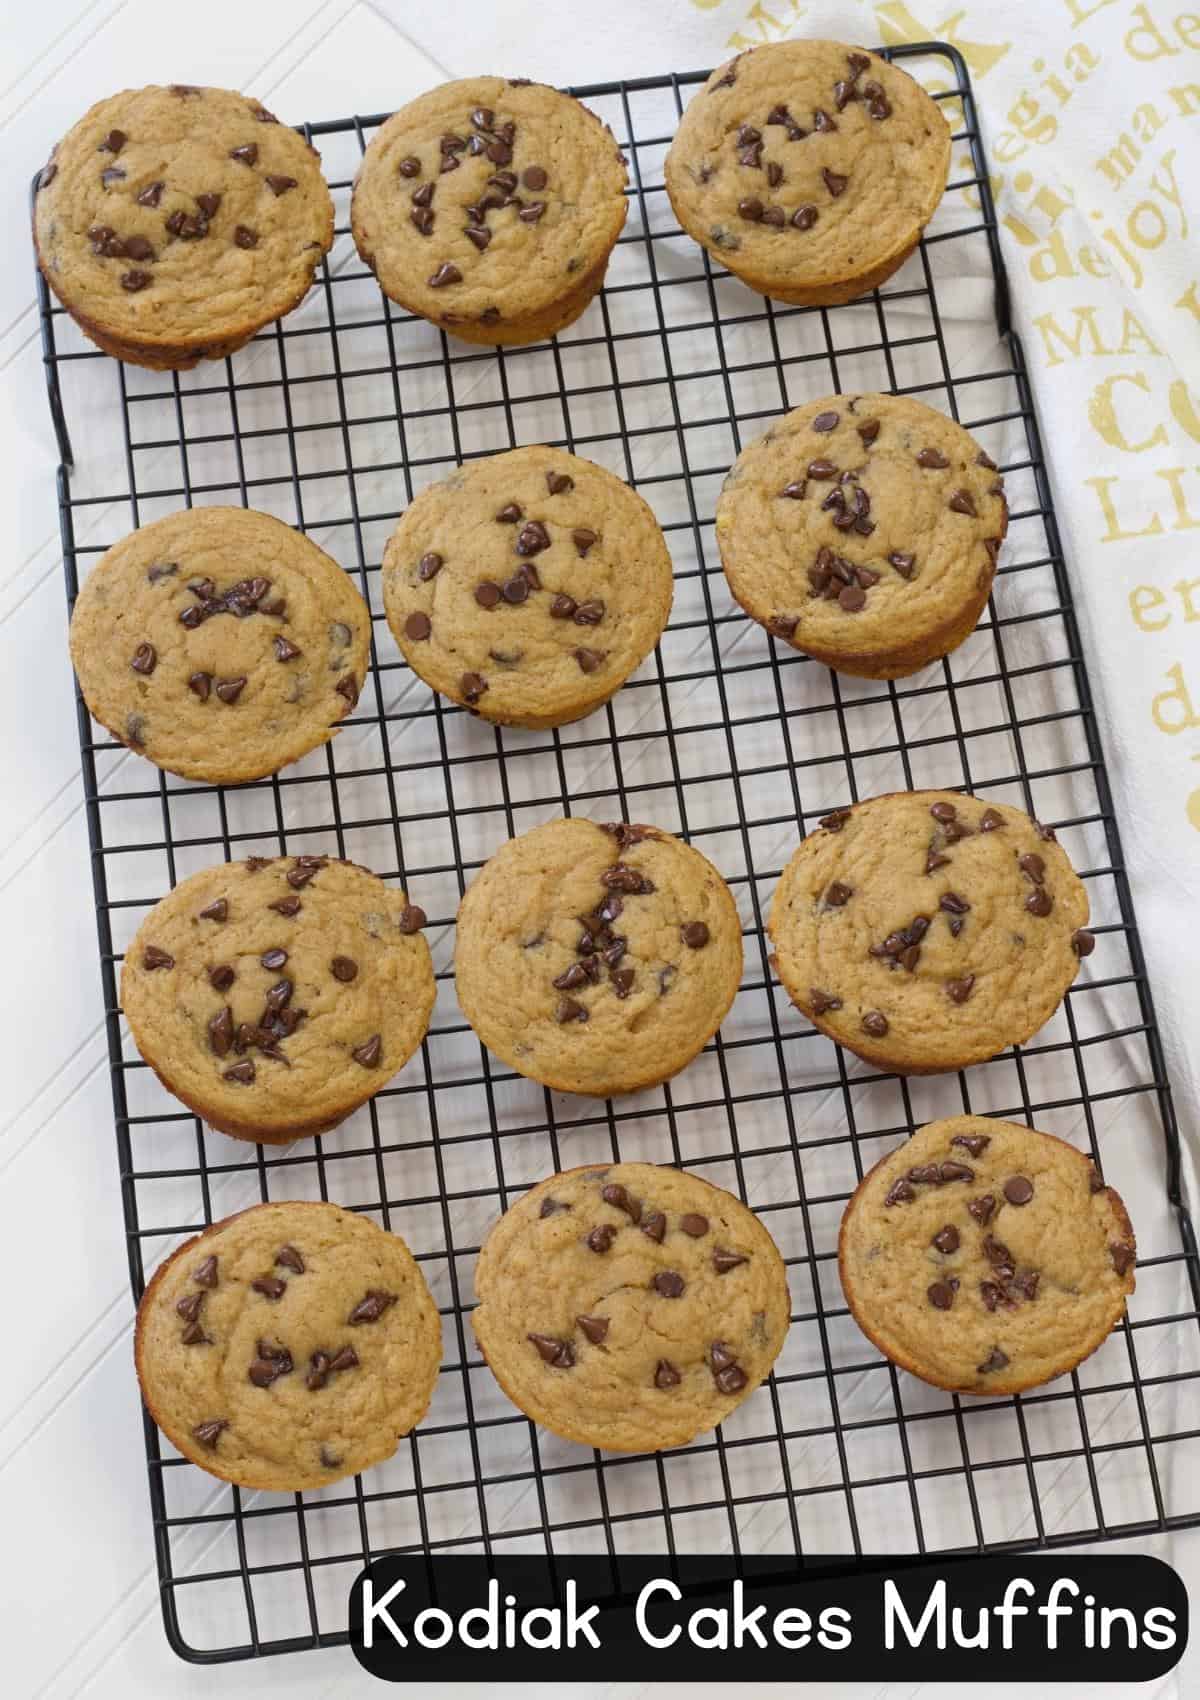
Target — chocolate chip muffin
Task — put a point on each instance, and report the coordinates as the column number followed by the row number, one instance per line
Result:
column 925, row 931
column 863, row 530
column 597, row 959
column 809, row 168
column 276, row 995
column 490, row 206
column 985, row 1257
column 288, row 1346
column 527, row 586
column 173, row 223
column 630, row 1307
column 219, row 643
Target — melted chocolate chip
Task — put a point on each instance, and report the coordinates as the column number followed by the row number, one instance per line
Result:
column 982, row 1209
column 694, row 934
column 1018, row 1189
column 1039, row 902
column 975, row 1143
column 220, row 1032
column 805, row 216
column 941, row 1295
column 245, row 237
column 665, row 1374
column 601, row 1237
column 221, row 977
column 822, row 1001
column 418, row 627
column 875, row 1023
column 995, row 1360
column 343, row 968
column 242, row 1074
column 370, row 1052
column 619, row 1197
column 946, row 1239
column 668, row 1284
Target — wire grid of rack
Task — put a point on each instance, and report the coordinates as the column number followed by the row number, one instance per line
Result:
column 332, row 420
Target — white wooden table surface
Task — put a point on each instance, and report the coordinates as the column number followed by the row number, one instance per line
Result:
column 79, row 1607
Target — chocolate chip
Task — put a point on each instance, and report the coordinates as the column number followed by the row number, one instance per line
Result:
column 1033, row 867
column 751, row 209
column 903, row 563
column 153, row 957
column 990, row 821
column 618, row 1196
column 783, row 626
column 822, row 1001
column 220, row 1032
column 834, row 182
column 730, row 1379
column 532, row 538
column 1123, row 1256
column 694, row 934
column 48, row 173
column 347, row 686
column 774, row 216
column 410, row 166
column 271, row 1363
column 274, row 958
column 943, row 811
column 369, row 1052
column 975, row 1143
column 138, row 248
column 242, row 1074
column 982, row 1209
column 1083, row 943
column 208, row 204
column 601, row 1237
column 940, row 1295
column 583, row 540
column 516, row 589
column 446, row 273
column 418, row 626
column 805, row 216
column 822, row 470
column 279, row 185
column 594, row 1327
column 209, row 1433
column 229, row 690
column 551, row 1207
column 480, row 235
column 531, row 213
column 371, row 1306
column 112, row 175
column 221, row 977
column 245, row 237
column 135, row 280
column 217, row 910
column 567, row 1009
column 285, row 650
column 270, row 1286
column 1018, row 1189
column 935, row 860
column 962, row 503
column 472, row 686
column 306, row 869
column 412, row 918
column 429, row 566
column 665, row 1374
column 189, row 227
column 560, row 1354
column 1039, row 902
column 996, row 1360
column 247, row 154
column 188, row 1307
column 693, row 1225
column 205, row 1273
column 946, row 1239
column 343, row 968
column 900, row 1192
column 851, row 598
column 775, row 178
column 875, row 1023
column 723, row 1260
column 588, row 659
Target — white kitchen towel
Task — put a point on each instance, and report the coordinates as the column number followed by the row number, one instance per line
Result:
column 1091, row 117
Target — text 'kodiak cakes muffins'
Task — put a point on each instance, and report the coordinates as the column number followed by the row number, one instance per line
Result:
column 597, row 959
column 630, row 1307
column 172, row 223
column 926, row 931
column 809, row 168
column 490, row 206
column 863, row 530
column 288, row 1346
column 275, row 996
column 219, row 643
column 986, row 1257
column 527, row 586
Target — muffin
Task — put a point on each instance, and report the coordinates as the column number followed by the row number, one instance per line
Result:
column 527, row 586
column 863, row 530
column 986, row 1257
column 276, row 995
column 597, row 959
column 809, row 168
column 629, row 1307
column 173, row 223
column 926, row 931
column 288, row 1346
column 490, row 206
column 219, row 643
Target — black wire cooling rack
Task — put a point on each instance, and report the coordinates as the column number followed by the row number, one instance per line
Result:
column 332, row 420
